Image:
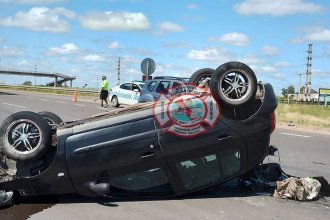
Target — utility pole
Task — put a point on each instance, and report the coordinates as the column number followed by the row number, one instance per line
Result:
column 118, row 76
column 308, row 72
column 35, row 76
column 300, row 74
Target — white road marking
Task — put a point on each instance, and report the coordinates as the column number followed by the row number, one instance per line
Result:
column 297, row 135
column 61, row 102
column 45, row 100
column 80, row 105
column 19, row 106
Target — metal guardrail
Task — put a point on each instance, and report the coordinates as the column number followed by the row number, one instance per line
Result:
column 50, row 90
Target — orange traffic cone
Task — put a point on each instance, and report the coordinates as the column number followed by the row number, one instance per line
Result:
column 74, row 97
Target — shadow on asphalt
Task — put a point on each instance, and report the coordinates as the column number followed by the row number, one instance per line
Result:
column 7, row 93
column 27, row 206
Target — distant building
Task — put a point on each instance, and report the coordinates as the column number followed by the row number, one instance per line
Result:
column 324, row 94
column 314, row 96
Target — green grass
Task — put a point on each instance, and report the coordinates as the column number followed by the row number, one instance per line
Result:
column 305, row 115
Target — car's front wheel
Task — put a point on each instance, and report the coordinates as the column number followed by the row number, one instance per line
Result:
column 25, row 136
column 233, row 83
column 114, row 101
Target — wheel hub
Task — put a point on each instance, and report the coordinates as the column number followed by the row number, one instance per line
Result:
column 24, row 137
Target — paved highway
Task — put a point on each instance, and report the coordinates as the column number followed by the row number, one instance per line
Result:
column 301, row 154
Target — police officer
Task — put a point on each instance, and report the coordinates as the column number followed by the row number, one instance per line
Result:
column 104, row 93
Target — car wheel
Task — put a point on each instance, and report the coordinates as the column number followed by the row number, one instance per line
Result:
column 200, row 76
column 51, row 118
column 233, row 83
column 114, row 101
column 25, row 136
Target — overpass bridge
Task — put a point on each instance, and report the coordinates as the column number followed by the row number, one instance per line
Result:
column 59, row 78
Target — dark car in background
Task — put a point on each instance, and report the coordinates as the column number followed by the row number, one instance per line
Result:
column 126, row 153
column 159, row 84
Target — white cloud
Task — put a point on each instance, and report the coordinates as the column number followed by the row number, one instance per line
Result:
column 175, row 45
column 114, row 45
column 270, row 50
column 234, row 38
column 65, row 49
column 31, row 2
column 192, row 6
column 269, row 69
column 11, row 52
column 115, row 21
column 315, row 34
column 251, row 60
column 277, row 7
column 168, row 27
column 94, row 58
column 40, row 19
column 321, row 35
column 219, row 55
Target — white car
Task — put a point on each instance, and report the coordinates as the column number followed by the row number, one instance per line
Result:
column 126, row 93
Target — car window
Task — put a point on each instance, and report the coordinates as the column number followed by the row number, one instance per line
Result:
column 176, row 84
column 178, row 88
column 126, row 86
column 152, row 85
column 163, row 87
column 134, row 86
column 141, row 85
column 154, row 180
column 203, row 170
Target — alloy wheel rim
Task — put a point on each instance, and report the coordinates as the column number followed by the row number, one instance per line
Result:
column 23, row 136
column 234, row 86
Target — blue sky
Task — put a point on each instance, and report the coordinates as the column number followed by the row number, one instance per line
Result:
column 85, row 38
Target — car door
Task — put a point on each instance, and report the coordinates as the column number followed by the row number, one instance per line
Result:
column 124, row 93
column 127, row 156
column 135, row 94
column 206, row 159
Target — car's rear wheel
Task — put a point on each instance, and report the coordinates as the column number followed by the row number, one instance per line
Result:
column 51, row 118
column 233, row 83
column 25, row 136
column 201, row 77
column 114, row 101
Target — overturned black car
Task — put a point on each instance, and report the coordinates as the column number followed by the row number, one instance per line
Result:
column 134, row 151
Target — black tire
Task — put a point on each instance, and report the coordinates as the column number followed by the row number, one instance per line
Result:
column 25, row 136
column 51, row 118
column 114, row 101
column 200, row 75
column 234, row 84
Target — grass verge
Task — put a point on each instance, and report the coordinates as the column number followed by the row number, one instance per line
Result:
column 316, row 116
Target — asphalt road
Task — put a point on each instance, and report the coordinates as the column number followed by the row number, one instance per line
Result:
column 301, row 154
